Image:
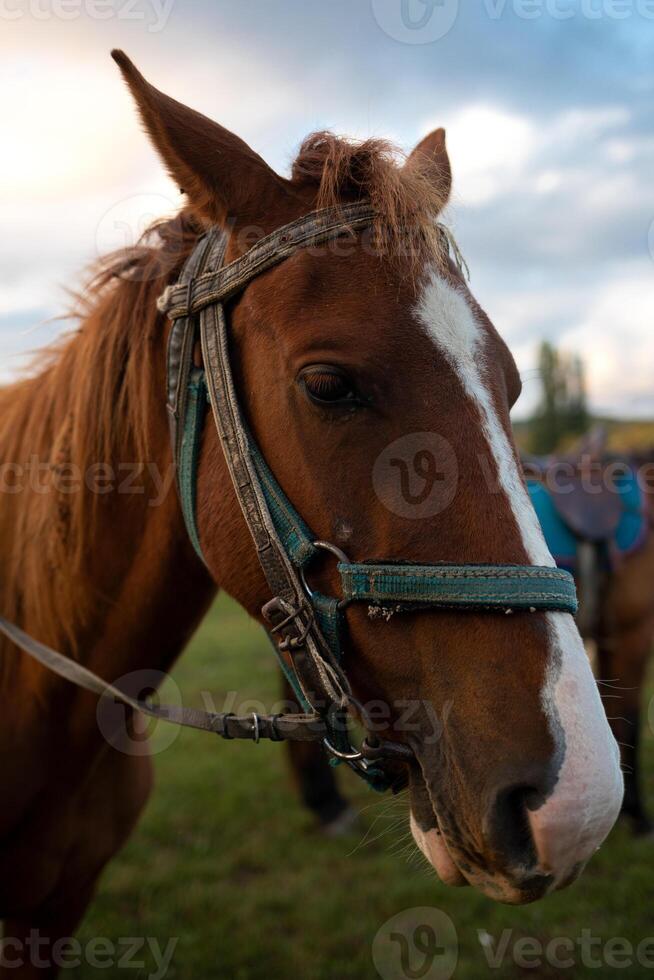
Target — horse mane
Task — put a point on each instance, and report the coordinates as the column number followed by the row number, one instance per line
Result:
column 90, row 398
column 406, row 200
column 86, row 400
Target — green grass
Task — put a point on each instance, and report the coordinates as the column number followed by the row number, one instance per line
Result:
column 226, row 860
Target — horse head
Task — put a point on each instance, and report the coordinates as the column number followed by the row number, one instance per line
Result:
column 379, row 394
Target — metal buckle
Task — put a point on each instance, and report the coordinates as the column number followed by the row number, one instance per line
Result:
column 278, row 606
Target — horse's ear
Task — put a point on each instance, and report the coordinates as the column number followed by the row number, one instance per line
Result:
column 224, row 179
column 431, row 156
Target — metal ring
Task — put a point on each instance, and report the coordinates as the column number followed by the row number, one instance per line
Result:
column 255, row 727
column 333, row 550
column 348, row 756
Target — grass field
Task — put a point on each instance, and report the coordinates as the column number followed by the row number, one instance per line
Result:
column 227, row 862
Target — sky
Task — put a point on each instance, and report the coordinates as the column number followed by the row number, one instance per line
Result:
column 547, row 106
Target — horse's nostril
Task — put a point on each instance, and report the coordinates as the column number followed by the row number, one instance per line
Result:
column 508, row 826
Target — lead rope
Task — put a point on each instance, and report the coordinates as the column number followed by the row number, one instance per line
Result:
column 277, row 728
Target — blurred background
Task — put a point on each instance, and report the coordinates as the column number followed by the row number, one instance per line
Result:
column 548, row 107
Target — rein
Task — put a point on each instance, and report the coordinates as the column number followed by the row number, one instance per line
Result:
column 307, row 628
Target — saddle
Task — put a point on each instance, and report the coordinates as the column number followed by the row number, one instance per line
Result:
column 587, row 496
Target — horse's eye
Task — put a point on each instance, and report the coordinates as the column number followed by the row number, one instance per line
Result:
column 328, row 385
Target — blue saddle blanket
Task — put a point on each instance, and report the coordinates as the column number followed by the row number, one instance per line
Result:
column 629, row 535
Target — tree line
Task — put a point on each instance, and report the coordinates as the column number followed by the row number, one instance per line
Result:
column 562, row 412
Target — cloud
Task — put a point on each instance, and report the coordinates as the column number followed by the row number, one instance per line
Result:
column 616, row 336
column 549, row 128
column 489, row 148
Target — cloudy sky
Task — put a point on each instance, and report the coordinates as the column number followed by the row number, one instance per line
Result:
column 547, row 103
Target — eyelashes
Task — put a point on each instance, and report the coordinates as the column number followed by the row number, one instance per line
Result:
column 327, row 385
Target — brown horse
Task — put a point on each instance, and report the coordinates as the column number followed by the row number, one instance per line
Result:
column 338, row 353
column 623, row 638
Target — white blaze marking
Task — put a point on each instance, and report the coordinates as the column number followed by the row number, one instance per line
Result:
column 449, row 321
column 585, row 803
column 578, row 815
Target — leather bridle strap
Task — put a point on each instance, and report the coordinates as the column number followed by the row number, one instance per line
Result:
column 309, row 657
column 186, row 298
column 325, row 677
column 277, row 728
column 288, row 727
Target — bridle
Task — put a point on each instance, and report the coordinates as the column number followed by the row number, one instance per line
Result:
column 307, row 628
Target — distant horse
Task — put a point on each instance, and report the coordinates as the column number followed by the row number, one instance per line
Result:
column 339, row 353
column 597, row 512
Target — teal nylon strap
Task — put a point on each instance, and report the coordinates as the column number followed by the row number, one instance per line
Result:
column 505, row 587
column 298, row 543
column 189, row 455
column 291, row 529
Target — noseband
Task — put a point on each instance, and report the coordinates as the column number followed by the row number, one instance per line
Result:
column 307, row 628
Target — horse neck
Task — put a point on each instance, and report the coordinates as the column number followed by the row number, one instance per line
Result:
column 100, row 567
